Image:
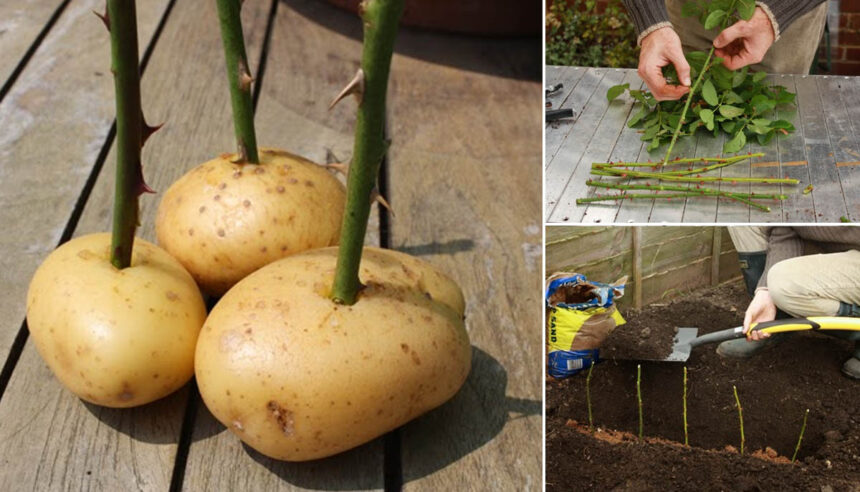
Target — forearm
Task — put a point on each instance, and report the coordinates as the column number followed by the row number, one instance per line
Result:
column 647, row 15
column 783, row 12
column 782, row 243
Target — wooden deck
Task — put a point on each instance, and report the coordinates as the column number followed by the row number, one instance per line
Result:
column 824, row 152
column 456, row 150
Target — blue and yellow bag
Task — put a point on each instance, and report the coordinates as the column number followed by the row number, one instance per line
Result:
column 581, row 315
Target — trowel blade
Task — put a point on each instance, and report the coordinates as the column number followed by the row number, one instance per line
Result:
column 681, row 344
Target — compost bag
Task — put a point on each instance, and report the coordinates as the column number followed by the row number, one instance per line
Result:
column 581, row 315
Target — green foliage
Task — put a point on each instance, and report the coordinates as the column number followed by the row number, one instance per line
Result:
column 738, row 102
column 578, row 35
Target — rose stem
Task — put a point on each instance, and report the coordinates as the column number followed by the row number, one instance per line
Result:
column 740, row 416
column 130, row 127
column 239, row 77
column 380, row 30
column 800, row 438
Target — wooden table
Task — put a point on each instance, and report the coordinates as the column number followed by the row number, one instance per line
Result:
column 824, row 152
column 464, row 122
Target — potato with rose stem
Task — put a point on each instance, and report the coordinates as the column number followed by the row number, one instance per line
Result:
column 299, row 377
column 115, row 337
column 224, row 220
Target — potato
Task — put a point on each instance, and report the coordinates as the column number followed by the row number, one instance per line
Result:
column 298, row 377
column 118, row 338
column 223, row 220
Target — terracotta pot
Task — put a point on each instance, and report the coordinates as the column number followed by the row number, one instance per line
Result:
column 486, row 17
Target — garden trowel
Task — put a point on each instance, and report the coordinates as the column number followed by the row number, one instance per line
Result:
column 686, row 338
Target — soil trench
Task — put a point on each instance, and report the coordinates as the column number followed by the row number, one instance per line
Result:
column 775, row 387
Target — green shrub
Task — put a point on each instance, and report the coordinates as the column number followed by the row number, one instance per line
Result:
column 576, row 34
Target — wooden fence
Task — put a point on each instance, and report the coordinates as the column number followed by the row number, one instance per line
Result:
column 661, row 262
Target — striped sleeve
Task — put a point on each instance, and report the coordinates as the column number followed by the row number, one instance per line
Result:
column 783, row 12
column 647, row 15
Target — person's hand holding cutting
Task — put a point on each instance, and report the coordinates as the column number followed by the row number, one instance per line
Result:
column 745, row 42
column 659, row 49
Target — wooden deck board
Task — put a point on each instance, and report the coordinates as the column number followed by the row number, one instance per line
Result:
column 810, row 155
column 572, row 77
column 626, row 148
column 21, row 23
column 571, row 166
column 797, row 207
column 52, row 439
column 474, row 216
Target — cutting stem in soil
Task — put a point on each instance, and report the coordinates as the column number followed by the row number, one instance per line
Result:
column 122, row 24
column 639, row 396
column 380, row 29
column 740, row 417
column 686, row 436
column 588, row 396
column 240, row 79
column 800, row 438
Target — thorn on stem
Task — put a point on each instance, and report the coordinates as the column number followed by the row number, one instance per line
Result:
column 376, row 197
column 147, row 130
column 104, row 17
column 355, row 86
column 245, row 79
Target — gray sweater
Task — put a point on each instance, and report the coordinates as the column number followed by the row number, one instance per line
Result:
column 788, row 242
column 647, row 13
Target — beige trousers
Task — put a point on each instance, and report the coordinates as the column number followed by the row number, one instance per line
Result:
column 794, row 52
column 811, row 285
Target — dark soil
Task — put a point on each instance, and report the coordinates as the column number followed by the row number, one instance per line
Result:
column 649, row 332
column 775, row 386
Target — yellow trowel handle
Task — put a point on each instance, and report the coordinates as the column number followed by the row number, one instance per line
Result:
column 813, row 323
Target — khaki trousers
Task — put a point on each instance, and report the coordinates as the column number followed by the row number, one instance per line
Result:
column 793, row 53
column 811, row 285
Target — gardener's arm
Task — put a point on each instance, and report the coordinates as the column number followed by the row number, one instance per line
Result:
column 660, row 47
column 746, row 42
column 782, row 243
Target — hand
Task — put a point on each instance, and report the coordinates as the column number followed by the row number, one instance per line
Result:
column 659, row 49
column 761, row 309
column 745, row 42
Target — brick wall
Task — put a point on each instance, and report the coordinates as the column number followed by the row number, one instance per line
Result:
column 845, row 36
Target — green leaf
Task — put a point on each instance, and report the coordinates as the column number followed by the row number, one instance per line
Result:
column 732, row 97
column 616, row 91
column 765, row 138
column 696, row 58
column 760, row 129
column 650, row 133
column 759, row 76
column 650, row 122
column 708, row 117
column 785, row 97
column 728, row 126
column 730, row 111
column 738, row 77
column 762, row 103
column 638, row 116
column 714, row 19
column 735, row 144
column 746, row 9
column 709, row 93
column 653, row 145
column 783, row 125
